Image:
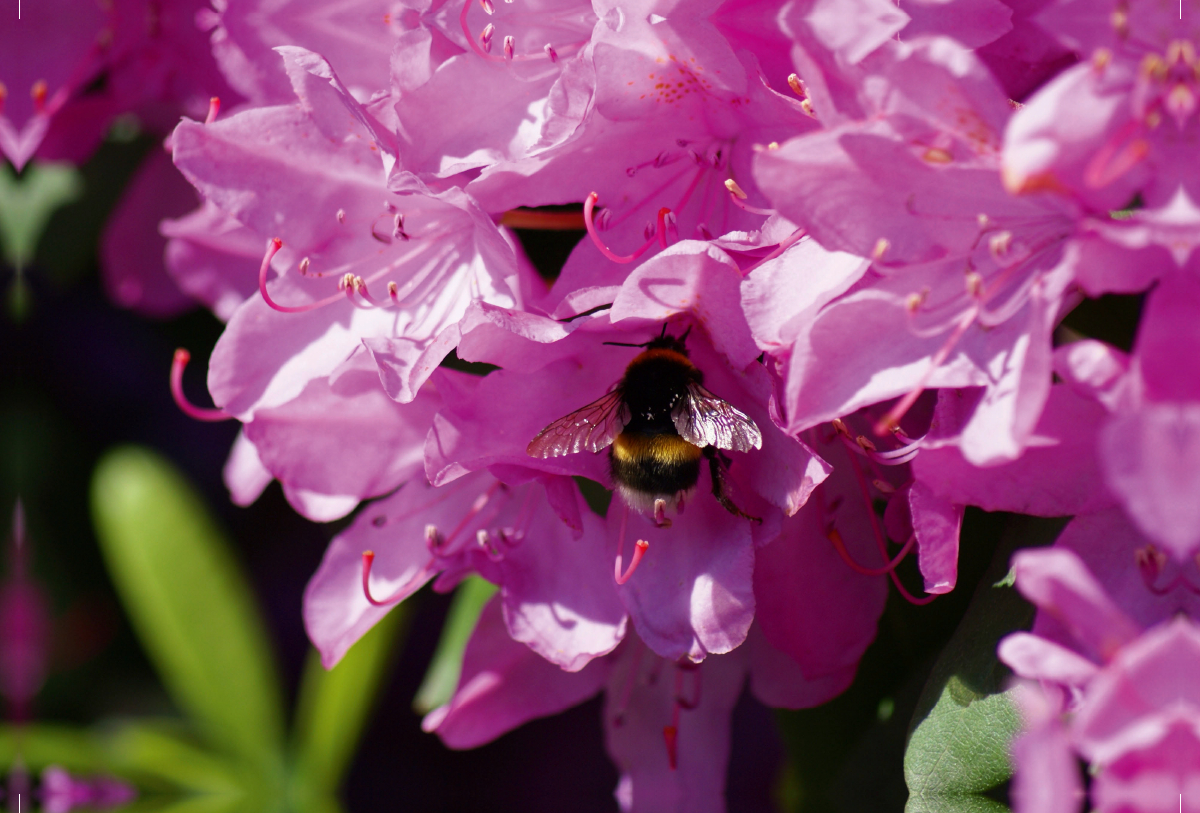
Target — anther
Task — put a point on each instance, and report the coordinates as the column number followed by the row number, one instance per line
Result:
column 487, row 6
column 485, row 38
column 484, row 540
column 974, row 283
column 433, row 538
column 913, row 303
column 1100, row 59
column 303, row 266
column 884, row 486
column 3, row 96
column 774, row 145
column 550, row 52
column 1150, row 562
column 840, row 427
column 881, row 247
column 999, row 244
column 734, row 189
column 865, row 443
column 509, row 47
column 341, row 216
column 666, row 227
column 937, row 155
column 639, row 550
column 214, row 107
column 393, row 289
column 660, row 513
column 180, row 361
column 346, row 283
column 797, row 86
column 38, row 93
column 398, row 227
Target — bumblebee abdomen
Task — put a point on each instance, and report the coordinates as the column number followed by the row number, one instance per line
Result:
column 654, row 463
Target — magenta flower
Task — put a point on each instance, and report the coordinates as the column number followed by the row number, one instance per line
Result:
column 535, row 539
column 667, row 723
column 1122, row 123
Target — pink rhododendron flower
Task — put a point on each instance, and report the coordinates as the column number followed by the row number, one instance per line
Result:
column 1132, row 700
column 1121, row 123
column 667, row 724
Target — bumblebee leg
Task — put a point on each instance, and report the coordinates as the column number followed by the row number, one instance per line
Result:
column 717, row 463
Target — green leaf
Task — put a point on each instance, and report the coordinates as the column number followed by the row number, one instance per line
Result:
column 189, row 603
column 333, row 705
column 959, row 742
column 156, row 755
column 41, row 745
column 442, row 677
column 26, row 204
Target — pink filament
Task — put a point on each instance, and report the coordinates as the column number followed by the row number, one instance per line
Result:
column 273, row 246
column 368, row 560
column 589, row 204
column 891, row 420
column 840, row 547
column 214, row 107
column 182, row 357
column 880, row 541
column 754, row 210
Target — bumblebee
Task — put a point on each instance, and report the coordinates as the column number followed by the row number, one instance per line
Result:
column 658, row 423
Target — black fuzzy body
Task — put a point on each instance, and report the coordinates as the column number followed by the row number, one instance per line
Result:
column 649, row 458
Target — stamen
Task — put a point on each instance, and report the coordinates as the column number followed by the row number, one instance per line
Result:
column 735, row 189
column 892, row 418
column 398, row 227
column 671, row 737
column 341, row 216
column 738, row 197
column 368, row 561
column 273, row 246
column 660, row 513
column 666, row 223
column 1118, row 156
column 487, row 6
column 182, row 357
column 509, row 46
column 639, row 551
column 797, row 86
column 3, row 96
column 303, row 265
column 214, row 107
column 485, row 38
column 783, row 246
column 550, row 52
column 38, row 93
column 880, row 539
column 840, row 546
column 589, row 205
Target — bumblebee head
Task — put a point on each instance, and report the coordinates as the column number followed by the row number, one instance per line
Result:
column 662, row 342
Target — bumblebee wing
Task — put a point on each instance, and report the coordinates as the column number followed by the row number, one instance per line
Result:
column 703, row 419
column 590, row 428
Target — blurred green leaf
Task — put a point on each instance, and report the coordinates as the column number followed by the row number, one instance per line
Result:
column 26, row 204
column 333, row 705
column 42, row 745
column 442, row 677
column 959, row 744
column 189, row 604
column 153, row 754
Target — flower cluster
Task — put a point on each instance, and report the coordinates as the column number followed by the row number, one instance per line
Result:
column 852, row 228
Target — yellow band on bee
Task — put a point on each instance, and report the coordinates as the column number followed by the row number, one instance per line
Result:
column 668, row 448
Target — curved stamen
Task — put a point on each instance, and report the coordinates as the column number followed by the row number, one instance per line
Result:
column 214, row 107
column 182, row 357
column 368, row 560
column 880, row 540
column 885, row 424
column 273, row 246
column 589, row 205
column 840, row 546
column 639, row 550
